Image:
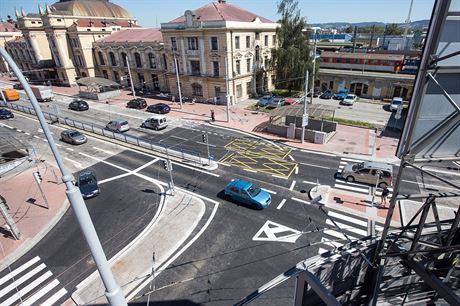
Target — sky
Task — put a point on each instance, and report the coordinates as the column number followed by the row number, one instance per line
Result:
column 150, row 13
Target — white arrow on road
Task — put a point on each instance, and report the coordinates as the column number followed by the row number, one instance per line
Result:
column 272, row 231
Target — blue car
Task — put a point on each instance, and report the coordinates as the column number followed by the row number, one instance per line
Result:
column 265, row 100
column 248, row 194
column 341, row 94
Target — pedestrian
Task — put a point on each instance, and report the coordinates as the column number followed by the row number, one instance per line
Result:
column 383, row 198
column 193, row 101
column 213, row 118
column 173, row 99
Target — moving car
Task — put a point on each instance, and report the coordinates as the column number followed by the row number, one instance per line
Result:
column 276, row 102
column 73, row 137
column 78, row 105
column 248, row 194
column 87, row 182
column 137, row 103
column 18, row 86
column 11, row 94
column 156, row 122
column 369, row 172
column 341, row 94
column 6, row 113
column 118, row 125
column 328, row 94
column 265, row 100
column 349, row 99
column 396, row 103
column 159, row 108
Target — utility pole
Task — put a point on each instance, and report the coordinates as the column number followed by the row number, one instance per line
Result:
column 177, row 80
column 168, row 167
column 113, row 292
column 152, row 282
column 130, row 77
column 305, row 115
column 354, row 39
column 38, row 179
column 372, row 37
column 314, row 68
column 227, row 97
column 9, row 221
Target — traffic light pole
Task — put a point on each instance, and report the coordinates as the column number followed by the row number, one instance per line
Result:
column 113, row 291
column 38, row 179
column 168, row 167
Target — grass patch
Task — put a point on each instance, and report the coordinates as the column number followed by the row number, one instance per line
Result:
column 261, row 109
column 353, row 122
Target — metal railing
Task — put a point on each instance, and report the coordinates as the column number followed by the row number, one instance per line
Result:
column 185, row 155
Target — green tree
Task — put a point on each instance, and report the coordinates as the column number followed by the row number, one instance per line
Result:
column 292, row 56
column 349, row 30
column 393, row 29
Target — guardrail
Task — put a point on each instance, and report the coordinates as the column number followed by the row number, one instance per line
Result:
column 185, row 155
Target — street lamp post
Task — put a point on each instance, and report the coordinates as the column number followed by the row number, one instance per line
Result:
column 314, row 69
column 130, row 77
column 305, row 114
column 177, row 79
column 227, row 97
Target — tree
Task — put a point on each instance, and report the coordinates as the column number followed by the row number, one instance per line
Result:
column 393, row 29
column 292, row 56
column 349, row 29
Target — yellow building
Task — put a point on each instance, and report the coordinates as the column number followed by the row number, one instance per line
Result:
column 216, row 41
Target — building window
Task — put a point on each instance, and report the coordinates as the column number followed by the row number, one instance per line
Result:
column 248, row 42
column 238, row 67
column 237, row 42
column 155, row 82
column 217, row 91
column 137, row 57
column 116, row 76
column 195, row 67
column 123, row 56
column 152, row 61
column 266, row 40
column 104, row 72
column 248, row 88
column 273, row 80
column 266, row 61
column 173, row 44
column 257, row 35
column 215, row 69
column 113, row 61
column 101, row 58
column 257, row 54
column 274, row 40
column 214, row 45
column 165, row 62
column 141, row 79
column 248, row 65
column 192, row 43
column 239, row 91
column 197, row 90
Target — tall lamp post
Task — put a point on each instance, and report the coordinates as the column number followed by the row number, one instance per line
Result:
column 130, row 76
column 314, row 68
column 176, row 67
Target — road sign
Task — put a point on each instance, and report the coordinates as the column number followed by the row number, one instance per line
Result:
column 304, row 120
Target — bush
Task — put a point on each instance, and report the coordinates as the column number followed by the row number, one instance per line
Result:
column 285, row 93
column 352, row 122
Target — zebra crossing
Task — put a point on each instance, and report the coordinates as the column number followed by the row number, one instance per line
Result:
column 30, row 284
column 342, row 229
column 342, row 184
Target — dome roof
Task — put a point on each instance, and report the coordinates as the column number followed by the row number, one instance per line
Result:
column 91, row 8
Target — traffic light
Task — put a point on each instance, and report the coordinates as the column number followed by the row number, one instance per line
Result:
column 204, row 137
column 38, row 177
column 165, row 164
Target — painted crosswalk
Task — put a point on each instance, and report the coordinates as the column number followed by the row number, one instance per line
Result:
column 342, row 184
column 343, row 228
column 30, row 284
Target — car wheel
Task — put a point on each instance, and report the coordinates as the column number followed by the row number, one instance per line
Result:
column 117, row 130
column 383, row 185
column 142, row 125
column 350, row 179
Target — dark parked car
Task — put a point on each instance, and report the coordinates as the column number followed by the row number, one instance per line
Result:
column 6, row 114
column 159, row 108
column 18, row 86
column 73, row 137
column 276, row 102
column 87, row 183
column 79, row 105
column 328, row 94
column 316, row 93
column 137, row 103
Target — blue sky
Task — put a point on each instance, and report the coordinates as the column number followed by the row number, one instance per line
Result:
column 150, row 13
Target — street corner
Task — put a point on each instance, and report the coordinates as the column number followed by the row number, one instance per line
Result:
column 320, row 193
column 356, row 202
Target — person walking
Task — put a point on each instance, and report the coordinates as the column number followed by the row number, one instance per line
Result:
column 383, row 198
column 173, row 99
column 213, row 118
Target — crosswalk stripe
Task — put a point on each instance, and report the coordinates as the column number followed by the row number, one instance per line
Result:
column 19, row 270
column 352, row 159
column 332, row 243
column 346, row 227
column 39, row 294
column 21, row 279
column 53, row 299
column 321, row 251
column 346, row 187
column 338, row 235
column 347, row 218
column 28, row 288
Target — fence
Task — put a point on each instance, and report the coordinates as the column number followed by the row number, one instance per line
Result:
column 185, row 155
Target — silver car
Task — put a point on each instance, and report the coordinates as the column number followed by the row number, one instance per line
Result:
column 118, row 125
column 73, row 137
column 373, row 173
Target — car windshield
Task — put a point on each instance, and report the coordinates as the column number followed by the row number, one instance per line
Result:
column 124, row 123
column 357, row 167
column 350, row 97
column 74, row 134
column 87, row 180
column 253, row 191
column 396, row 102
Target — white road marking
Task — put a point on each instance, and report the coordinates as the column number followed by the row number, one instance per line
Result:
column 21, row 280
column 70, row 149
column 281, row 204
column 347, row 218
column 18, row 130
column 270, row 231
column 292, row 185
column 346, row 227
column 55, row 297
column 292, row 158
column 58, row 144
column 203, row 143
column 17, row 295
column 338, row 235
column 39, row 294
column 19, row 269
column 146, row 165
column 5, row 125
column 249, row 170
column 27, row 133
column 311, row 165
column 76, row 164
column 300, row 200
column 347, row 187
column 114, row 178
column 281, row 177
column 269, row 191
column 311, row 183
column 35, row 136
column 296, row 170
column 181, row 138
column 319, row 153
column 437, row 170
column 105, row 151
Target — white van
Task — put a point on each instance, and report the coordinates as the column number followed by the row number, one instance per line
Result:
column 156, row 122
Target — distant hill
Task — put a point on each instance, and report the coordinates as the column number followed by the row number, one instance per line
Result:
column 413, row 24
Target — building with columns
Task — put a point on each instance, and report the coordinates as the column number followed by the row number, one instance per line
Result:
column 8, row 32
column 215, row 42
column 60, row 37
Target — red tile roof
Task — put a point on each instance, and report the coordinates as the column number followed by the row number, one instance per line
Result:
column 216, row 11
column 8, row 27
column 134, row 35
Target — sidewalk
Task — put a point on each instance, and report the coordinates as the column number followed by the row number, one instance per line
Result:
column 351, row 141
column 28, row 210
